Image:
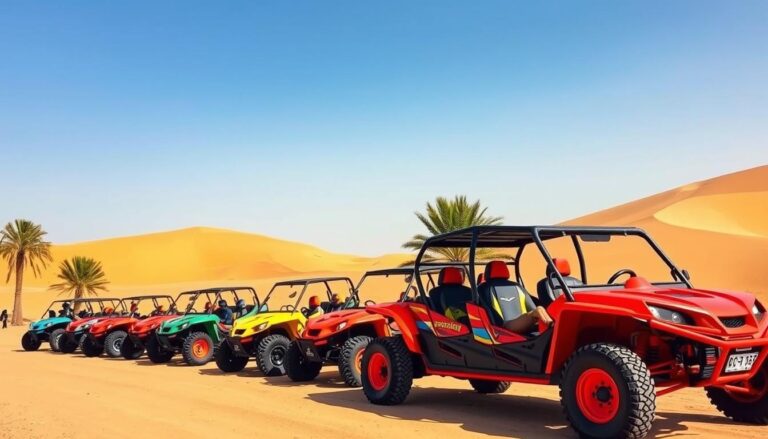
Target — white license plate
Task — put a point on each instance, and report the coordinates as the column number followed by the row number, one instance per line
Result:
column 741, row 362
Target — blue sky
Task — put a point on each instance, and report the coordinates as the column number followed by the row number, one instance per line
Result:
column 331, row 122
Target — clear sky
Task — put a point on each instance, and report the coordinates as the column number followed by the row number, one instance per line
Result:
column 331, row 122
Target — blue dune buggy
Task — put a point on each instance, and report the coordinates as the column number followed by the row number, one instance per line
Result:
column 54, row 319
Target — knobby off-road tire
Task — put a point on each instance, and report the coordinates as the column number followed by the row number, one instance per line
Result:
column 387, row 371
column 270, row 354
column 90, row 348
column 156, row 353
column 227, row 360
column 351, row 360
column 198, row 349
column 747, row 408
column 55, row 338
column 607, row 392
column 66, row 346
column 129, row 350
column 30, row 341
column 297, row 367
column 113, row 342
column 486, row 386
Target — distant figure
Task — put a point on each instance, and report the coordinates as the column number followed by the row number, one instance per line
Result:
column 134, row 309
column 4, row 318
column 66, row 310
column 336, row 304
column 158, row 311
column 314, row 310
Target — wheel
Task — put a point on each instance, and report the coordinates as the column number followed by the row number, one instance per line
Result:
column 30, row 341
column 751, row 407
column 297, row 367
column 607, row 392
column 270, row 354
column 197, row 349
column 227, row 360
column 488, row 386
column 387, row 371
column 55, row 338
column 351, row 359
column 66, row 345
column 113, row 342
column 89, row 347
column 130, row 350
column 156, row 353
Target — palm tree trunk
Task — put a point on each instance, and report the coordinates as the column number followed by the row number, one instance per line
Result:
column 18, row 318
column 78, row 295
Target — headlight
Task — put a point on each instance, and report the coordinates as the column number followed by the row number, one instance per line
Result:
column 341, row 326
column 757, row 312
column 261, row 327
column 48, row 324
column 669, row 315
column 109, row 326
column 86, row 326
column 184, row 325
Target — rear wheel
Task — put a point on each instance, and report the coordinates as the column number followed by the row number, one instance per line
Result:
column 130, row 350
column 66, row 345
column 607, row 392
column 156, row 353
column 750, row 406
column 297, row 367
column 90, row 347
column 113, row 342
column 197, row 349
column 30, row 341
column 227, row 360
column 387, row 371
column 55, row 339
column 270, row 354
column 487, row 386
column 351, row 359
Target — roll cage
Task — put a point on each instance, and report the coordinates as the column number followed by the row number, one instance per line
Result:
column 111, row 302
column 212, row 295
column 156, row 299
column 520, row 237
column 304, row 284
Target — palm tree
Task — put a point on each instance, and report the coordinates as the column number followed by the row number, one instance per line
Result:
column 447, row 215
column 80, row 276
column 22, row 245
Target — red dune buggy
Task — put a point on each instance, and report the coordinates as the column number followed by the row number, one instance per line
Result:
column 613, row 345
column 87, row 312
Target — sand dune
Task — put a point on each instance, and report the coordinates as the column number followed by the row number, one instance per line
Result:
column 717, row 228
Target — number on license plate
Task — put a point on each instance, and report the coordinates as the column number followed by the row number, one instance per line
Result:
column 741, row 362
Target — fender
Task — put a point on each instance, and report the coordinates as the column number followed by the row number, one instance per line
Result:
column 401, row 315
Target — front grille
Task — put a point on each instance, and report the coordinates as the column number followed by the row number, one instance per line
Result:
column 239, row 331
column 732, row 322
column 314, row 332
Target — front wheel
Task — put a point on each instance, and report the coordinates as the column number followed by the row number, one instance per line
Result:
column 66, row 345
column 90, row 347
column 487, row 386
column 156, row 353
column 30, row 341
column 351, row 360
column 114, row 342
column 227, row 360
column 387, row 374
column 750, row 406
column 55, row 339
column 607, row 392
column 270, row 354
column 297, row 367
column 198, row 349
column 130, row 350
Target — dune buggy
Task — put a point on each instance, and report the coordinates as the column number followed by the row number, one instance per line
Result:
column 86, row 313
column 142, row 330
column 208, row 317
column 107, row 335
column 613, row 347
column 57, row 316
column 267, row 334
column 340, row 337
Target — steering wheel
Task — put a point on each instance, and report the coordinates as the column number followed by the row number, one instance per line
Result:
column 620, row 273
column 369, row 302
column 305, row 311
column 285, row 308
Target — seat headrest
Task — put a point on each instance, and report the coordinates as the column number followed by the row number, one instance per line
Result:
column 563, row 266
column 496, row 270
column 450, row 276
column 480, row 278
column 314, row 301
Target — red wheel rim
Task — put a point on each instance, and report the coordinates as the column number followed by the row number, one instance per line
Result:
column 358, row 362
column 200, row 348
column 597, row 396
column 378, row 371
column 757, row 386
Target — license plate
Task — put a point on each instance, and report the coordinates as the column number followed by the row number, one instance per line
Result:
column 740, row 362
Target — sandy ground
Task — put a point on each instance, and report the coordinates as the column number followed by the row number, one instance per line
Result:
column 51, row 395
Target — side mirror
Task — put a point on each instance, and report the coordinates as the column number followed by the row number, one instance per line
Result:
column 686, row 274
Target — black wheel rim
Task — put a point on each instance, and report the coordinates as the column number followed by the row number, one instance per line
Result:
column 278, row 355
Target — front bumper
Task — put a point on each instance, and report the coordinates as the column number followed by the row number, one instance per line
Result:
column 309, row 350
column 240, row 347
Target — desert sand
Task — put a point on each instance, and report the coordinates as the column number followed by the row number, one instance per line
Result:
column 72, row 396
column 717, row 229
